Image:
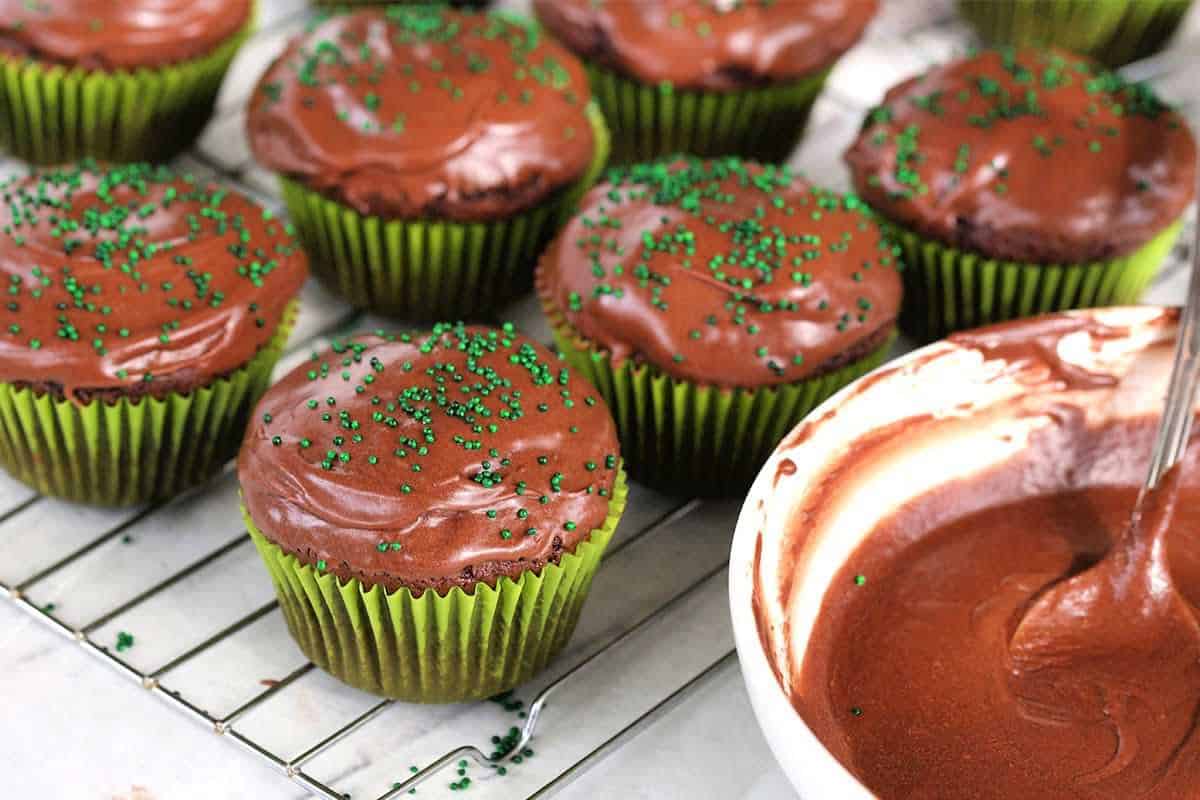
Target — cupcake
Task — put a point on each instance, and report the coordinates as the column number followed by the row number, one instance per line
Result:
column 427, row 154
column 432, row 508
column 133, row 80
column 1023, row 181
column 712, row 78
column 1112, row 31
column 145, row 312
column 714, row 304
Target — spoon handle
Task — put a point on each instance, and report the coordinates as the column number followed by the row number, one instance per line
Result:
column 1178, row 412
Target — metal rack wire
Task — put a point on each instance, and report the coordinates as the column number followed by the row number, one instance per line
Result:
column 907, row 37
column 157, row 680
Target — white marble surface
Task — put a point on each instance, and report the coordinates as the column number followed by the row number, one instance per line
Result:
column 74, row 728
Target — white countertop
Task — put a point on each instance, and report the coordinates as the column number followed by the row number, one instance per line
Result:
column 660, row 714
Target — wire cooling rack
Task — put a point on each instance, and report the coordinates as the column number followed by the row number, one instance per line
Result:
column 173, row 596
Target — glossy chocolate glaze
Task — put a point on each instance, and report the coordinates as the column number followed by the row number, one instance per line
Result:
column 1118, row 643
column 359, row 463
column 136, row 279
column 723, row 272
column 416, row 112
column 1009, row 633
column 709, row 44
column 915, row 683
column 1026, row 155
column 118, row 34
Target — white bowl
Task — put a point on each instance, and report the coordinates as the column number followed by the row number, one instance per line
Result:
column 964, row 393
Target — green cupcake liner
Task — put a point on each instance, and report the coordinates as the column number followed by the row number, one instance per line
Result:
column 692, row 439
column 649, row 122
column 52, row 114
column 1114, row 32
column 132, row 451
column 431, row 648
column 946, row 289
column 428, row 269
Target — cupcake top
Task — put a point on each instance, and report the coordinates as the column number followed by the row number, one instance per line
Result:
column 425, row 111
column 118, row 34
column 723, row 272
column 1028, row 155
column 430, row 461
column 136, row 280
column 717, row 45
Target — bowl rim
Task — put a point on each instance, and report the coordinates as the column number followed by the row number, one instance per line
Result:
column 772, row 706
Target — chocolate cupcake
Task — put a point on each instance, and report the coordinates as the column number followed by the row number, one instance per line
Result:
column 714, row 304
column 712, row 78
column 432, row 508
column 133, row 80
column 145, row 312
column 1023, row 181
column 427, row 154
column 1112, row 31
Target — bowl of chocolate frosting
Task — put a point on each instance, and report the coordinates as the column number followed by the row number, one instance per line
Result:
column 936, row 588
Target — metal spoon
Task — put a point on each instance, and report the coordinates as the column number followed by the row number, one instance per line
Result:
column 1120, row 635
column 1178, row 414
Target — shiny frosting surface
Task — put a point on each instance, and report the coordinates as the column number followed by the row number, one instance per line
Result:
column 136, row 278
column 1026, row 155
column 430, row 460
column 1093, row 700
column 717, row 45
column 425, row 111
column 723, row 272
column 986, row 621
column 119, row 34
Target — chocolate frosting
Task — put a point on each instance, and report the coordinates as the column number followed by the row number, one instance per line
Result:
column 1010, row 633
column 718, row 45
column 1026, row 155
column 723, row 272
column 912, row 678
column 425, row 112
column 118, row 34
column 430, row 461
column 136, row 279
column 1118, row 643
column 1033, row 345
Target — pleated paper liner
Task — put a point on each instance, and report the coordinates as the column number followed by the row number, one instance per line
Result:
column 946, row 289
column 649, row 122
column 431, row 648
column 692, row 439
column 132, row 451
column 53, row 114
column 1115, row 32
column 427, row 269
